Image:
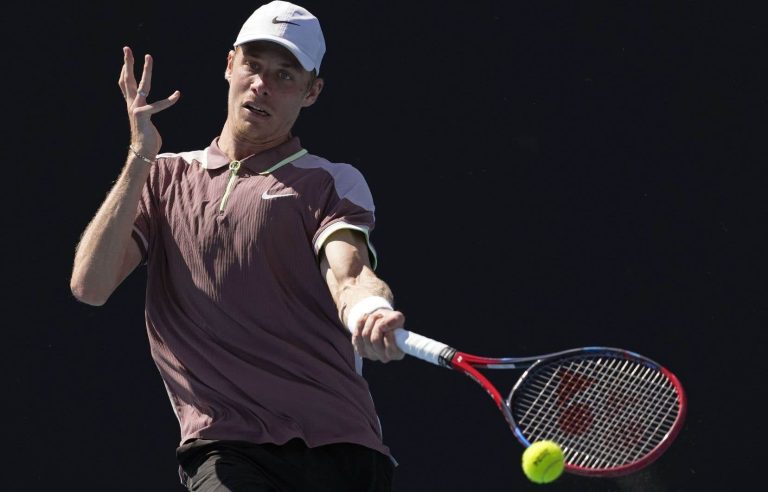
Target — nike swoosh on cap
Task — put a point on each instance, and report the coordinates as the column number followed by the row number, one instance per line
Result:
column 275, row 20
column 267, row 196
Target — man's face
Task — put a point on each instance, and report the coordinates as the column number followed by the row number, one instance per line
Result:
column 267, row 89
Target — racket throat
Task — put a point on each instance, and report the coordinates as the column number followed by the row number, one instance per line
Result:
column 445, row 358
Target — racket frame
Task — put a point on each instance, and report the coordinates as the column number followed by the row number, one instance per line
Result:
column 470, row 365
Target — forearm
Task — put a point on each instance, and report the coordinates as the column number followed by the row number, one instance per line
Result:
column 100, row 255
column 364, row 301
column 355, row 289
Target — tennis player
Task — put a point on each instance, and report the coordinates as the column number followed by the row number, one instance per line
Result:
column 259, row 265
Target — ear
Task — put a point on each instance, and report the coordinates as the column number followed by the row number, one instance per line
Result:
column 230, row 64
column 313, row 93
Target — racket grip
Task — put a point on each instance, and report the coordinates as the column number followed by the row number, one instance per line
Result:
column 421, row 347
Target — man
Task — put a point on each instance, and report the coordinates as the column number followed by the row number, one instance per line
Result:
column 259, row 265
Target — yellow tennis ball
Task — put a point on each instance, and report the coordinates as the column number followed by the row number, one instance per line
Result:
column 543, row 461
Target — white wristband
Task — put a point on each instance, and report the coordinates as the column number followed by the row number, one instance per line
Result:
column 363, row 307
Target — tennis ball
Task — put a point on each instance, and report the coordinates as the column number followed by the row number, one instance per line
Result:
column 543, row 461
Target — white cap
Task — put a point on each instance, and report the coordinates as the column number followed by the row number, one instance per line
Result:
column 288, row 25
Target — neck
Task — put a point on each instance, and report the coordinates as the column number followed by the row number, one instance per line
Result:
column 238, row 147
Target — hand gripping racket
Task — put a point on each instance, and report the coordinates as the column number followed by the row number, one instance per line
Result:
column 612, row 411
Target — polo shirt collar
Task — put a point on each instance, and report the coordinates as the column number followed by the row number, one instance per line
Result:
column 215, row 158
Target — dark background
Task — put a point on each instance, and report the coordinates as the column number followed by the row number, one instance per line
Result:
column 546, row 174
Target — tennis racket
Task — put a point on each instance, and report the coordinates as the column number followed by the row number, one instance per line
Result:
column 612, row 411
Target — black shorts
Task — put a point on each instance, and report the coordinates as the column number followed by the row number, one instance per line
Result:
column 237, row 466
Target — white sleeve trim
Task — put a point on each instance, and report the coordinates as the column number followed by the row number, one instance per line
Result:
column 323, row 237
column 143, row 239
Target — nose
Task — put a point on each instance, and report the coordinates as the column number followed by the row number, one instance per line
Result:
column 259, row 84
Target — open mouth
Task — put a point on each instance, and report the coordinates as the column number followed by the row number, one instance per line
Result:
column 255, row 108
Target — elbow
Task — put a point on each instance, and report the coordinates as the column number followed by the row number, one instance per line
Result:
column 86, row 296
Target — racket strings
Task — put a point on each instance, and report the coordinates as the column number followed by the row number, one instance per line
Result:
column 604, row 411
column 633, row 421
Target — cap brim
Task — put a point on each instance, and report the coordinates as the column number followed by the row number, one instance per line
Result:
column 302, row 58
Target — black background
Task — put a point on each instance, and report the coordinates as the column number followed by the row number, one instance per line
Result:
column 546, row 174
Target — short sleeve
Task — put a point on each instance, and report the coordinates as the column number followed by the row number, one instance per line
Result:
column 349, row 205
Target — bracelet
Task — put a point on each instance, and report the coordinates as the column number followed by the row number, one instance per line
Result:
column 143, row 158
column 363, row 307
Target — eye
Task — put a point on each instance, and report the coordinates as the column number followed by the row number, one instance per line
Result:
column 285, row 75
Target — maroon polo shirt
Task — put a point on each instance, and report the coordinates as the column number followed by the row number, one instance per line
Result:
column 240, row 321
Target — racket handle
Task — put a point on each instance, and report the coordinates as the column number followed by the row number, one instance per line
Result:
column 424, row 348
column 411, row 343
